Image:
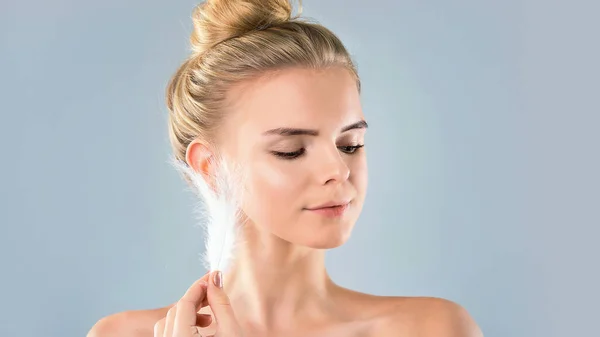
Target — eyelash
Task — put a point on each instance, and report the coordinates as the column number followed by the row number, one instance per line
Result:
column 296, row 154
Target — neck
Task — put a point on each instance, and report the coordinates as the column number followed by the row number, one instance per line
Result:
column 273, row 283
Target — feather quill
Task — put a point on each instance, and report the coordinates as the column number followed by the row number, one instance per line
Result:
column 219, row 213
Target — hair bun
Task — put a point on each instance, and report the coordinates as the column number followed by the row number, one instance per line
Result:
column 218, row 20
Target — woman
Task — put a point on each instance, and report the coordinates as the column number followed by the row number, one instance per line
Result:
column 281, row 96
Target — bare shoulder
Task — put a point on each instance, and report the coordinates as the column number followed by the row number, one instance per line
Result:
column 426, row 316
column 133, row 323
column 409, row 316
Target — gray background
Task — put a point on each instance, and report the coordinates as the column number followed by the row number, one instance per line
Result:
column 483, row 158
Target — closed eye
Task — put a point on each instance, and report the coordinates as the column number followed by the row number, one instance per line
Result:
column 289, row 155
column 349, row 149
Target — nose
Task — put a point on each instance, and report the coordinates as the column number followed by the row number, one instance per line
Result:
column 333, row 169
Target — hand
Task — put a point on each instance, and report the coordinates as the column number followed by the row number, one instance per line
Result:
column 183, row 319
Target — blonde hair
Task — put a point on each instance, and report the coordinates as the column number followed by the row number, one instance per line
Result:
column 237, row 40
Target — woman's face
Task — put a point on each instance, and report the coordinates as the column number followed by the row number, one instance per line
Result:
column 298, row 132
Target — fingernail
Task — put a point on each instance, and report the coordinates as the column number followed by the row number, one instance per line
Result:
column 218, row 279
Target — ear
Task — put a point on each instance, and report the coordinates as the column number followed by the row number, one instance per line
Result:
column 199, row 158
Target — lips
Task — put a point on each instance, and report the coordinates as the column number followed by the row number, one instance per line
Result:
column 330, row 204
column 334, row 211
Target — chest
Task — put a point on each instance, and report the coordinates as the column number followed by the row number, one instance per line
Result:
column 349, row 329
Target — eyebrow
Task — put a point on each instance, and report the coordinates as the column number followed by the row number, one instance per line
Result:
column 295, row 132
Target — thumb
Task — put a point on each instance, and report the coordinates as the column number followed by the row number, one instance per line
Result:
column 221, row 306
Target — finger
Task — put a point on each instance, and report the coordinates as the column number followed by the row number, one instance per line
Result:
column 205, row 278
column 221, row 307
column 203, row 320
column 159, row 327
column 169, row 322
column 187, row 308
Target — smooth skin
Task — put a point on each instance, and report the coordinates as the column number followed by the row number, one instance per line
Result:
column 278, row 284
column 183, row 319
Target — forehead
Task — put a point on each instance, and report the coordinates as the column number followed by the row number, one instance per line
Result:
column 296, row 97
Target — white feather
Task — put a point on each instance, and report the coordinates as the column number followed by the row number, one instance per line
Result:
column 220, row 215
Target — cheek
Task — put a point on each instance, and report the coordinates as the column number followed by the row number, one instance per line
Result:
column 359, row 176
column 275, row 192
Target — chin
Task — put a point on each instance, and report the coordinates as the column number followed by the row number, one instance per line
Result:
column 328, row 239
column 327, row 244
